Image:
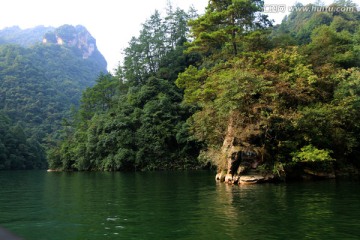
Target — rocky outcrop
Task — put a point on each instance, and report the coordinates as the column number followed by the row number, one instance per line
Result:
column 228, row 178
column 72, row 36
column 220, row 177
column 241, row 156
column 250, row 179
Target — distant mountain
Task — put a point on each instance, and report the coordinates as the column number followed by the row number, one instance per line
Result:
column 43, row 72
column 66, row 35
column 24, row 37
column 76, row 37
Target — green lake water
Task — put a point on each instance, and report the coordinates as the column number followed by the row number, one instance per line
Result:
column 174, row 205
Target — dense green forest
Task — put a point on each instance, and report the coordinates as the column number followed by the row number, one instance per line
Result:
column 135, row 119
column 223, row 89
column 285, row 94
column 17, row 151
column 39, row 85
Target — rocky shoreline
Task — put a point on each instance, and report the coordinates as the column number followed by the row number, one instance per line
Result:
column 254, row 176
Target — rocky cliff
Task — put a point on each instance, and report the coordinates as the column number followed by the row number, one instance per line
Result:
column 77, row 38
column 71, row 36
column 241, row 154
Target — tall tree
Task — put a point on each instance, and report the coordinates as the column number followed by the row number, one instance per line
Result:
column 224, row 24
column 274, row 103
column 134, row 119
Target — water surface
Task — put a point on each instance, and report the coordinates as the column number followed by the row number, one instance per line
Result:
column 174, row 205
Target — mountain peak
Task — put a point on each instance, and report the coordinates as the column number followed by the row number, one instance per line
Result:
column 71, row 36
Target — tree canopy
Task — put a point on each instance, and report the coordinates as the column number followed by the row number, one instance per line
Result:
column 274, row 93
column 134, row 119
column 194, row 91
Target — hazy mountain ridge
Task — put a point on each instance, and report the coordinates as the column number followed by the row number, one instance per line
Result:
column 24, row 37
column 67, row 35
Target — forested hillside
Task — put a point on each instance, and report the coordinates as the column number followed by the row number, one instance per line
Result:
column 249, row 96
column 17, row 151
column 282, row 98
column 39, row 85
column 134, row 120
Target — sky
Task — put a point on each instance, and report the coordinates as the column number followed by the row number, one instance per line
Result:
column 111, row 22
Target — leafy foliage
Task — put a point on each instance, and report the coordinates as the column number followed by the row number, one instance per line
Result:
column 223, row 26
column 134, row 119
column 311, row 153
column 292, row 91
column 17, row 151
column 288, row 94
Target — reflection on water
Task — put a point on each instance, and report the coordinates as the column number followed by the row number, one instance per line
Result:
column 176, row 205
column 308, row 210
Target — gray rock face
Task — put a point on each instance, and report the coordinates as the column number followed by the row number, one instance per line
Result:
column 73, row 37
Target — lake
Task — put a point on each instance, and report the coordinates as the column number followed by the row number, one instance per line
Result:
column 174, row 205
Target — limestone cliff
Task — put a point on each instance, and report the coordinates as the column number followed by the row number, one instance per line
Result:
column 71, row 36
column 241, row 153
